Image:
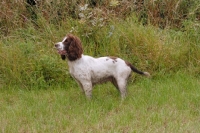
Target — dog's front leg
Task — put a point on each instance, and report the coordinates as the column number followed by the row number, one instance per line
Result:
column 87, row 86
column 81, row 86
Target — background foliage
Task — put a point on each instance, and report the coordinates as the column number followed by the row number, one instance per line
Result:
column 160, row 36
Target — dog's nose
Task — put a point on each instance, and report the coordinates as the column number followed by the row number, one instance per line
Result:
column 56, row 45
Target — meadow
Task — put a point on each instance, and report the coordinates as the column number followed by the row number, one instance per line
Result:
column 37, row 94
column 166, row 104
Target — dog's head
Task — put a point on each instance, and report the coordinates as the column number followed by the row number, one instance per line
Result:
column 70, row 48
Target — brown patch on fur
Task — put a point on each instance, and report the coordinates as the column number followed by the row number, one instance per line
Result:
column 113, row 58
column 73, row 47
column 128, row 63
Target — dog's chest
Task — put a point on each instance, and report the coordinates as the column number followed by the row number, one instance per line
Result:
column 79, row 72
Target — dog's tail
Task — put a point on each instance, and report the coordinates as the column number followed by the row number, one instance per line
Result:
column 137, row 71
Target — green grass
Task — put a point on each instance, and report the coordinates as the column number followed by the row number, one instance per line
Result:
column 169, row 103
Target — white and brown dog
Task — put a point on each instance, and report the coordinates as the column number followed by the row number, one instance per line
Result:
column 88, row 71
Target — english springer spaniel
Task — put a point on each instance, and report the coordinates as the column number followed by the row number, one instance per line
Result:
column 88, row 71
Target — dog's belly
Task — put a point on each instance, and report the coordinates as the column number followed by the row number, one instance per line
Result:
column 101, row 80
column 101, row 77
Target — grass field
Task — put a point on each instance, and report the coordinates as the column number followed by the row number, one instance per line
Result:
column 168, row 103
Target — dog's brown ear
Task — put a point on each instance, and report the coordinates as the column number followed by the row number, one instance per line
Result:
column 63, row 57
column 75, row 49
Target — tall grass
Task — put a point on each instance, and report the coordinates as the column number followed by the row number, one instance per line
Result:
column 28, row 56
column 26, row 48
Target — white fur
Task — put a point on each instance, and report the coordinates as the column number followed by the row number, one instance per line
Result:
column 88, row 71
column 60, row 45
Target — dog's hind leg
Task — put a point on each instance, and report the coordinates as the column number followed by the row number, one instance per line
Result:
column 114, row 82
column 122, row 87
